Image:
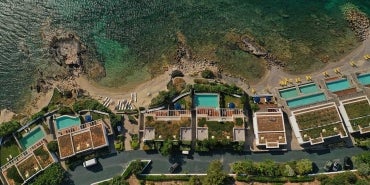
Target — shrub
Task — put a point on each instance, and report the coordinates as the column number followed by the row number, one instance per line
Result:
column 65, row 110
column 200, row 81
column 54, row 175
column 135, row 142
column 53, row 146
column 303, row 167
column 12, row 173
column 9, row 127
column 207, row 74
column 363, row 169
column 176, row 73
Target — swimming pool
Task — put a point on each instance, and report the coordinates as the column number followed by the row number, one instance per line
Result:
column 308, row 89
column 338, row 85
column 207, row 100
column 306, row 100
column 65, row 121
column 364, row 79
column 32, row 137
column 288, row 93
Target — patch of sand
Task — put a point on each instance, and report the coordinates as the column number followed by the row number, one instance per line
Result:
column 6, row 115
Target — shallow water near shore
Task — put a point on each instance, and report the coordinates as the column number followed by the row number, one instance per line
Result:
column 135, row 39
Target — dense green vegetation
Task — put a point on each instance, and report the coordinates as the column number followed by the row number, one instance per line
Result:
column 346, row 178
column 362, row 162
column 12, row 173
column 270, row 168
column 89, row 104
column 53, row 175
column 8, row 148
column 9, row 127
column 219, row 130
column 208, row 74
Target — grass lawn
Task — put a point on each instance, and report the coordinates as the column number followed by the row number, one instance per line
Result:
column 218, row 129
column 167, row 129
column 9, row 148
column 237, row 101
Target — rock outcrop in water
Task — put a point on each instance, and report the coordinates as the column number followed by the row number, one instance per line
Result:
column 67, row 50
column 357, row 20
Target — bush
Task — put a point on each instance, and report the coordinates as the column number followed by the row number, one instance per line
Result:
column 12, row 173
column 65, row 110
column 164, row 98
column 54, row 175
column 176, row 73
column 9, row 127
column 208, row 74
column 135, row 142
column 53, row 146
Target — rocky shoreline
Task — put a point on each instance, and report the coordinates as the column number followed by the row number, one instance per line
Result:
column 357, row 20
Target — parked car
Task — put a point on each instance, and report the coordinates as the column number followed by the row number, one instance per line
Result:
column 336, row 166
column 173, row 167
column 90, row 162
column 347, row 163
column 328, row 165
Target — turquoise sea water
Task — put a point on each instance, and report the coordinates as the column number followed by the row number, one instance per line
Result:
column 63, row 122
column 338, row 85
column 306, row 100
column 31, row 138
column 134, row 39
column 207, row 100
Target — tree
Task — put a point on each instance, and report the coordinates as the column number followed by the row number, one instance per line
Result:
column 54, row 175
column 243, row 167
column 53, row 146
column 215, row 175
column 208, row 74
column 12, row 173
column 363, row 169
column 9, row 127
column 166, row 149
column 65, row 110
column 136, row 167
column 194, row 180
column 303, row 167
column 268, row 168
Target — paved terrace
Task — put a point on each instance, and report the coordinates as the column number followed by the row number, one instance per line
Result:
column 28, row 164
column 315, row 123
column 269, row 129
column 219, row 114
column 81, row 138
column 356, row 114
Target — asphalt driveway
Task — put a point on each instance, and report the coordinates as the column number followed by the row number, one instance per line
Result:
column 114, row 164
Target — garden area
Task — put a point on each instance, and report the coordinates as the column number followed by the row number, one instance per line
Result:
column 28, row 167
column 167, row 129
column 43, row 156
column 10, row 147
column 359, row 114
column 231, row 99
column 218, row 130
column 185, row 102
column 317, row 118
column 325, row 131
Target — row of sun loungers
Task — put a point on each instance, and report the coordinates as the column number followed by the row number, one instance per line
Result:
column 107, row 101
column 124, row 105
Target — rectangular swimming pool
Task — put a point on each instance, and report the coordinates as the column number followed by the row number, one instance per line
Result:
column 31, row 138
column 207, row 100
column 306, row 100
column 66, row 121
column 288, row 93
column 338, row 85
column 364, row 79
column 308, row 89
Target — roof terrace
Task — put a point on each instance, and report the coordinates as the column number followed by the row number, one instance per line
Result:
column 29, row 163
column 314, row 124
column 269, row 128
column 356, row 113
column 77, row 139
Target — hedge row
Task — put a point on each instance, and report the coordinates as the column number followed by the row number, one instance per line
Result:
column 275, row 179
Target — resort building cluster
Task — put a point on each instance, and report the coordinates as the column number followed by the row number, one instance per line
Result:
column 311, row 113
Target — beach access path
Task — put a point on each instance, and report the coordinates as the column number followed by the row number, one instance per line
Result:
column 114, row 164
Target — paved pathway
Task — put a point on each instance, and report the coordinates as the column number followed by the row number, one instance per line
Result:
column 114, row 164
